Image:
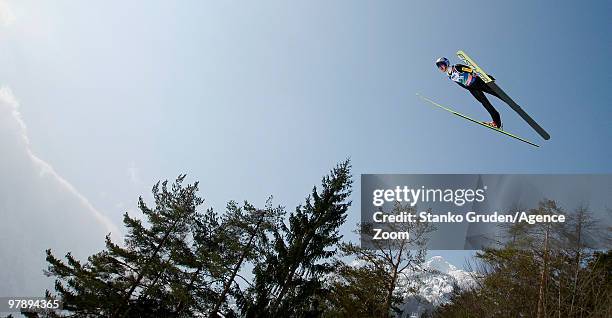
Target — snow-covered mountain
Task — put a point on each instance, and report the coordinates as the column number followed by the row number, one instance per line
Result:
column 434, row 284
column 428, row 286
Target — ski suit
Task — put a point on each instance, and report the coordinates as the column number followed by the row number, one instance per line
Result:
column 468, row 79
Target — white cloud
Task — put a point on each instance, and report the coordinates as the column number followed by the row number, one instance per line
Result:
column 39, row 209
column 7, row 17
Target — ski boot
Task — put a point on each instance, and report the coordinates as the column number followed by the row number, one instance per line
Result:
column 492, row 124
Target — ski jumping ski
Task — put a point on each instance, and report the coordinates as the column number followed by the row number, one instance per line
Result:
column 476, row 121
column 491, row 84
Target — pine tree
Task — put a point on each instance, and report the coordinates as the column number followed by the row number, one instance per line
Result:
column 355, row 291
column 244, row 230
column 178, row 262
column 289, row 277
column 155, row 273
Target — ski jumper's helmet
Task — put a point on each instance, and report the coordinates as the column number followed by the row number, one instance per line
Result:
column 442, row 61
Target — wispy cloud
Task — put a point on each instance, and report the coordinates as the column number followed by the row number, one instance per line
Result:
column 39, row 208
column 8, row 100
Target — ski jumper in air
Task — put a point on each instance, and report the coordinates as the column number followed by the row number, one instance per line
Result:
column 468, row 79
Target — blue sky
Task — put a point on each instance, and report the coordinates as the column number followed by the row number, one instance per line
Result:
column 258, row 99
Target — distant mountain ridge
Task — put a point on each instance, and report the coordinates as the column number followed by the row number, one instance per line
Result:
column 436, row 279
